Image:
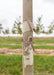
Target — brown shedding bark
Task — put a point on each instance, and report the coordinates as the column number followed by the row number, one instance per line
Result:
column 27, row 38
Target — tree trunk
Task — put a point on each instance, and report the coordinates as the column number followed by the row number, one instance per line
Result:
column 27, row 38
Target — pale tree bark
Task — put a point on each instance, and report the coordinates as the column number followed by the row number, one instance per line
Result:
column 27, row 38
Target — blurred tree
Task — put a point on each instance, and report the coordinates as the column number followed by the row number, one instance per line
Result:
column 39, row 26
column 13, row 31
column 1, row 28
column 6, row 31
column 51, row 27
column 17, row 28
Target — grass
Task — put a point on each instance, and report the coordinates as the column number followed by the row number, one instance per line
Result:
column 12, row 64
column 44, row 47
column 43, row 41
column 15, row 40
column 11, row 47
column 44, row 64
column 10, row 40
column 20, row 47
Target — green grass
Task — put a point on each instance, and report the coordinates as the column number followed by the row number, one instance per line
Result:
column 15, row 40
column 44, row 64
column 43, row 41
column 44, row 47
column 10, row 40
column 11, row 47
column 18, row 40
column 20, row 47
column 12, row 64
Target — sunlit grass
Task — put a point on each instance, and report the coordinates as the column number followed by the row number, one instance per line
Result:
column 10, row 40
column 43, row 41
column 11, row 47
column 20, row 47
column 18, row 40
column 5, row 42
column 12, row 64
column 44, row 47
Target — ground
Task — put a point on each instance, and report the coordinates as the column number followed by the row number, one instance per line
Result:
column 12, row 65
column 11, row 56
column 13, row 45
column 19, row 51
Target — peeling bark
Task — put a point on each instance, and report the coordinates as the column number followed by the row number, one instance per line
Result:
column 27, row 38
column 27, row 51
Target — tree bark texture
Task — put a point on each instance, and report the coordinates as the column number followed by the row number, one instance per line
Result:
column 27, row 38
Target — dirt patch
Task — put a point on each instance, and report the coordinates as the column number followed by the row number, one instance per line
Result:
column 19, row 51
column 50, row 44
column 44, row 52
column 34, row 44
column 10, row 51
column 10, row 44
column 44, row 44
